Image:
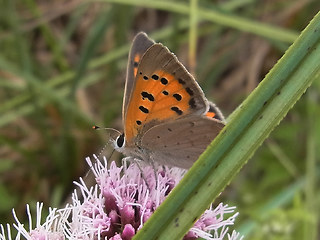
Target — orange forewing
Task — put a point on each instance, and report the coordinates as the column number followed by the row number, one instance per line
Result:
column 151, row 100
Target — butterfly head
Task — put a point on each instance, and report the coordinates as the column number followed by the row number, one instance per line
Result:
column 122, row 145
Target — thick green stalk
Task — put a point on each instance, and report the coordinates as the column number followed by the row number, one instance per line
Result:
column 248, row 127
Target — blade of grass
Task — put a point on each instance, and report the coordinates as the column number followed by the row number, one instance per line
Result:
column 23, row 45
column 280, row 199
column 21, row 42
column 249, row 126
column 193, row 35
column 75, row 18
column 224, row 19
column 95, row 37
column 310, row 227
column 283, row 158
column 46, row 90
column 51, row 40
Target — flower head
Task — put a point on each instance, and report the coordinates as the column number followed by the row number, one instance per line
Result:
column 121, row 202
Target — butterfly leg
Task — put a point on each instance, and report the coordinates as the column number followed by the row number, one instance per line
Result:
column 155, row 173
column 126, row 161
column 142, row 172
column 137, row 162
column 143, row 175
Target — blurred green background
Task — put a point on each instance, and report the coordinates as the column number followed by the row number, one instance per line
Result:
column 62, row 70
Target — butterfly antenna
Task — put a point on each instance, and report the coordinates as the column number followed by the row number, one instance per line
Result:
column 95, row 127
column 107, row 129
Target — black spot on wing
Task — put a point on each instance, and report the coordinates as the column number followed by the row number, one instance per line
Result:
column 189, row 91
column 148, row 96
column 164, row 81
column 177, row 96
column 143, row 109
column 155, row 77
column 192, row 103
column 177, row 110
column 181, row 81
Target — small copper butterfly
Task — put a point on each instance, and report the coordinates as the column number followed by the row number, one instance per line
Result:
column 165, row 115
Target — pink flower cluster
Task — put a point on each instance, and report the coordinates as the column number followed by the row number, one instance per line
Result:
column 119, row 204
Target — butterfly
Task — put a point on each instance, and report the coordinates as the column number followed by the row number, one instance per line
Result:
column 166, row 117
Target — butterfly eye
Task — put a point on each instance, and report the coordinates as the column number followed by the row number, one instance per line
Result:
column 120, row 141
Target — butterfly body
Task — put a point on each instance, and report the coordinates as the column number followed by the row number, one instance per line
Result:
column 165, row 113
